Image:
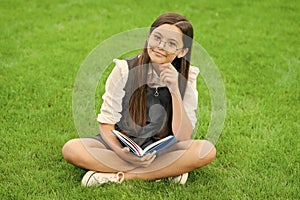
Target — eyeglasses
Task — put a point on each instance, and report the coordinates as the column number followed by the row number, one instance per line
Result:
column 155, row 40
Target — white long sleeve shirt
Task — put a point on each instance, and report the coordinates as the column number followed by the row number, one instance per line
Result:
column 114, row 93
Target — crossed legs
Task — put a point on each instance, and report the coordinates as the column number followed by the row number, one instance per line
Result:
column 180, row 158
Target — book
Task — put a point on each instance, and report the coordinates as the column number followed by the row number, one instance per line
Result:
column 138, row 151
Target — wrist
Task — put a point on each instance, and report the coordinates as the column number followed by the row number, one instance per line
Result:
column 175, row 92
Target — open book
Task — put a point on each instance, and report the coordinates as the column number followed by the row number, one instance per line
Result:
column 137, row 150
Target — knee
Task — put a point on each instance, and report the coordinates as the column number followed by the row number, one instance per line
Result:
column 68, row 150
column 207, row 151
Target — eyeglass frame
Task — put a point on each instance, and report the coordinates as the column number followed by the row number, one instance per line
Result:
column 165, row 42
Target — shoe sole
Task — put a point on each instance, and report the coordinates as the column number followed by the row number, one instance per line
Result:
column 183, row 178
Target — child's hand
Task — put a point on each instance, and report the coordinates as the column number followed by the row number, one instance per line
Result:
column 169, row 76
column 144, row 161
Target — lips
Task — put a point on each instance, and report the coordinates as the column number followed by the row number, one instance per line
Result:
column 159, row 54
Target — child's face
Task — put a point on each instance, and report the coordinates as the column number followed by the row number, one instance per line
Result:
column 165, row 44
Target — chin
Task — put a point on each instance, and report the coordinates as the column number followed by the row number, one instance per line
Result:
column 157, row 60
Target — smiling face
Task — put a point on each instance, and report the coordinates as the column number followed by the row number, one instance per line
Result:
column 165, row 44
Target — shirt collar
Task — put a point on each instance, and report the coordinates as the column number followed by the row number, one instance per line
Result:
column 154, row 79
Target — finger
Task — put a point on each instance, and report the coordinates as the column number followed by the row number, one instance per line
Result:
column 152, row 159
column 146, row 158
column 167, row 80
column 148, row 162
column 166, row 65
column 166, row 69
column 154, row 152
column 150, row 156
column 164, row 74
column 126, row 149
column 168, row 72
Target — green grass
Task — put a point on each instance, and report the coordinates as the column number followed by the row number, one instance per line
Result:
column 255, row 45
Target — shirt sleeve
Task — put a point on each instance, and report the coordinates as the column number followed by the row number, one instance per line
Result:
column 190, row 99
column 114, row 93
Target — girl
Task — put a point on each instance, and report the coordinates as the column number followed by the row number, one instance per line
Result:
column 147, row 97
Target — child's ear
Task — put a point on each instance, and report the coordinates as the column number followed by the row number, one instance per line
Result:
column 183, row 52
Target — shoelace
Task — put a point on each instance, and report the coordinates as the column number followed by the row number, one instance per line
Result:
column 114, row 178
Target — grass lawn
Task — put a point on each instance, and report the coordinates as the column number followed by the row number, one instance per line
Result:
column 255, row 45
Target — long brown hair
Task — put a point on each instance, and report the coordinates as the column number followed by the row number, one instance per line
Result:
column 137, row 102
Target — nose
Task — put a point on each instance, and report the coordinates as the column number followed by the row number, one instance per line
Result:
column 161, row 44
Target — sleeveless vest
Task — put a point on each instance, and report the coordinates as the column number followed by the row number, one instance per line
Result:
column 158, row 112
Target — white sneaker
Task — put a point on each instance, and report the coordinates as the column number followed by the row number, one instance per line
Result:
column 97, row 178
column 181, row 179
